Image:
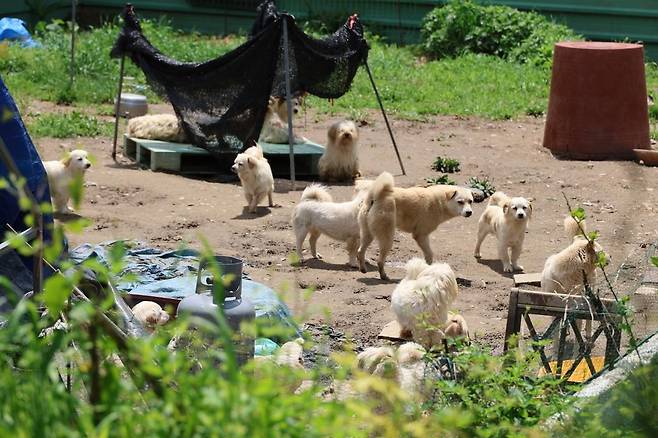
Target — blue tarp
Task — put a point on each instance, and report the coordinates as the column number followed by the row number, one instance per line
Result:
column 14, row 29
column 20, row 146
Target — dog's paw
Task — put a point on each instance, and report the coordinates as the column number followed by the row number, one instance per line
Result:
column 477, row 255
column 517, row 267
column 317, row 255
column 353, row 264
column 508, row 268
column 276, row 205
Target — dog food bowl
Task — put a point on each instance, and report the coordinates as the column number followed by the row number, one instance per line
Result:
column 132, row 105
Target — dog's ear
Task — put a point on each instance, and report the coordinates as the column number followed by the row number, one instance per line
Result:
column 332, row 132
column 251, row 162
column 450, row 194
column 506, row 207
column 66, row 161
column 529, row 209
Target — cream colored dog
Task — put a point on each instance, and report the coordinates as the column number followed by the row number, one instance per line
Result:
column 340, row 161
column 507, row 219
column 421, row 301
column 150, row 314
column 567, row 271
column 275, row 125
column 255, row 175
column 165, row 127
column 317, row 214
column 377, row 220
column 62, row 173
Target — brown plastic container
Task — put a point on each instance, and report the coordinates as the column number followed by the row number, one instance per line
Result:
column 597, row 109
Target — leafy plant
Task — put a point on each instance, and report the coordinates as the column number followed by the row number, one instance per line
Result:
column 443, row 179
column 483, row 184
column 446, row 165
column 463, row 26
column 71, row 124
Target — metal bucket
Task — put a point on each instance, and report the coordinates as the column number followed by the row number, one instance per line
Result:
column 132, row 105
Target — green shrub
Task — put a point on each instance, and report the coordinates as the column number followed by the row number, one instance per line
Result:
column 72, row 124
column 483, row 184
column 443, row 179
column 463, row 26
column 446, row 165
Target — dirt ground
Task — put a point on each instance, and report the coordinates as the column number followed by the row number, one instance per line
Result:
column 167, row 210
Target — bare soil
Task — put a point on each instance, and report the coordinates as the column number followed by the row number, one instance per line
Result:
column 168, row 210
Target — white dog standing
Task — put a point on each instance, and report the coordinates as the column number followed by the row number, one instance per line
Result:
column 422, row 299
column 317, row 214
column 507, row 219
column 62, row 173
column 255, row 175
column 340, row 161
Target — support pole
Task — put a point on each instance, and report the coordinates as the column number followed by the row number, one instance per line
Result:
column 73, row 22
column 116, row 109
column 388, row 126
column 286, row 66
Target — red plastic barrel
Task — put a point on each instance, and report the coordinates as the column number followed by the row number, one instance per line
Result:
column 597, row 108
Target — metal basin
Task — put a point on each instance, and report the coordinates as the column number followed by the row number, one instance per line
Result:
column 132, row 105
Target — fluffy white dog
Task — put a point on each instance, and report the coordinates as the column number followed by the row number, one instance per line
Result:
column 275, row 125
column 62, row 173
column 421, row 301
column 377, row 220
column 150, row 314
column 317, row 214
column 165, row 127
column 507, row 219
column 340, row 161
column 255, row 175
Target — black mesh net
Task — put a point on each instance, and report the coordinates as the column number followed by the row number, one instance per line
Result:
column 222, row 102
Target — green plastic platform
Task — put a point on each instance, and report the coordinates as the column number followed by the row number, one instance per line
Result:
column 188, row 159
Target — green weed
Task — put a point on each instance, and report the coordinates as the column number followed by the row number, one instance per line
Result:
column 483, row 184
column 443, row 179
column 445, row 165
column 71, row 124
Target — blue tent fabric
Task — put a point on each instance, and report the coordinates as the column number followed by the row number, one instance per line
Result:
column 15, row 138
column 14, row 29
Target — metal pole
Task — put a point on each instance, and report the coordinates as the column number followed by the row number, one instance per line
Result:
column 388, row 126
column 73, row 21
column 286, row 66
column 116, row 109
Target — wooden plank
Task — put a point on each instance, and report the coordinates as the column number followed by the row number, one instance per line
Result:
column 391, row 332
column 547, row 299
column 533, row 279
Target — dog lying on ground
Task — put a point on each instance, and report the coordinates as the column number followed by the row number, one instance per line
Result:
column 377, row 220
column 340, row 160
column 420, row 302
column 165, row 127
column 255, row 175
column 317, row 214
column 507, row 219
column 150, row 314
column 420, row 210
column 62, row 173
column 275, row 125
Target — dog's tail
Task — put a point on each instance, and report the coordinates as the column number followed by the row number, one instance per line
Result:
column 381, row 188
column 414, row 267
column 498, row 198
column 316, row 192
column 572, row 228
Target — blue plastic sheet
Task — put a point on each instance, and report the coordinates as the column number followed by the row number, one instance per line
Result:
column 14, row 29
column 173, row 274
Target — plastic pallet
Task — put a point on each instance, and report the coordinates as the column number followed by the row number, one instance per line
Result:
column 185, row 158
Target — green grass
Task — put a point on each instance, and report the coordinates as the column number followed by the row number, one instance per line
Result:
column 72, row 124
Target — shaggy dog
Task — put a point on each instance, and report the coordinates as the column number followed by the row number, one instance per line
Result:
column 62, row 173
column 317, row 214
column 340, row 161
column 421, row 300
column 165, row 127
column 275, row 125
column 255, row 175
column 377, row 219
column 150, row 314
column 456, row 327
column 507, row 219
column 420, row 210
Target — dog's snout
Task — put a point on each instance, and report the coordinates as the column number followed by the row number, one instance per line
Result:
column 234, row 168
column 520, row 215
column 468, row 213
column 87, row 166
column 295, row 111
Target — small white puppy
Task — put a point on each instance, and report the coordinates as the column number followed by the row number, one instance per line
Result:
column 150, row 314
column 165, row 127
column 255, row 175
column 317, row 214
column 421, row 301
column 340, row 161
column 507, row 219
column 62, row 173
column 275, row 125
